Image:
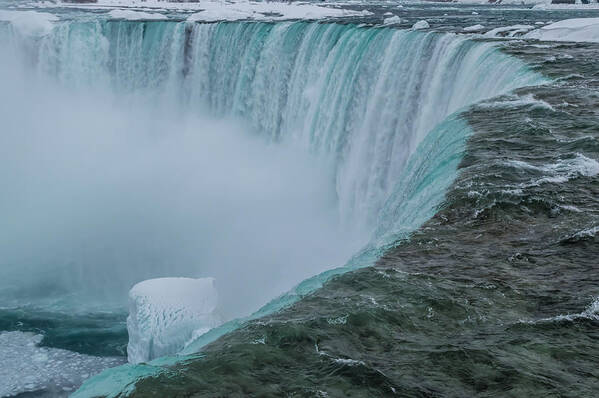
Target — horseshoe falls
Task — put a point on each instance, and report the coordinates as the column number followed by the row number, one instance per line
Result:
column 271, row 156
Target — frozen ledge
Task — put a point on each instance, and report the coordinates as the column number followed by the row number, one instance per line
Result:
column 166, row 314
column 576, row 30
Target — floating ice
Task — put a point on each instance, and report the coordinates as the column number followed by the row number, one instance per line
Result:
column 131, row 15
column 421, row 25
column 26, row 367
column 30, row 23
column 474, row 28
column 165, row 314
column 234, row 11
column 577, row 30
column 392, row 20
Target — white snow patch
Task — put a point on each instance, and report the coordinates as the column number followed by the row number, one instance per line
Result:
column 26, row 367
column 166, row 314
column 217, row 10
column 474, row 28
column 421, row 25
column 576, row 30
column 548, row 6
column 30, row 23
column 392, row 20
column 131, row 15
column 271, row 11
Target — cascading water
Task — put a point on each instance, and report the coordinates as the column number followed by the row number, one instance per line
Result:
column 375, row 105
column 366, row 96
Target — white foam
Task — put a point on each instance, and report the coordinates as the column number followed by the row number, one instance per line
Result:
column 561, row 171
column 29, row 23
column 26, row 367
column 576, row 30
column 518, row 101
column 588, row 233
column 166, row 314
column 591, row 312
column 131, row 15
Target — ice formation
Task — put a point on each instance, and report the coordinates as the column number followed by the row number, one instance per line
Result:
column 136, row 15
column 214, row 10
column 165, row 314
column 27, row 367
column 474, row 28
column 392, row 20
column 29, row 23
column 577, row 29
column 421, row 25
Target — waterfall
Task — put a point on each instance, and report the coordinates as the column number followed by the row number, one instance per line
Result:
column 365, row 96
column 381, row 105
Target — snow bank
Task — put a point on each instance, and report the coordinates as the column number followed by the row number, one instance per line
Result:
column 549, row 6
column 27, row 367
column 504, row 2
column 30, row 23
column 421, row 25
column 131, row 15
column 166, row 314
column 215, row 10
column 578, row 30
column 271, row 11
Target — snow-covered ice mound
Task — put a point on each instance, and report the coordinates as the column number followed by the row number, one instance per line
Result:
column 577, row 29
column 421, row 25
column 166, row 314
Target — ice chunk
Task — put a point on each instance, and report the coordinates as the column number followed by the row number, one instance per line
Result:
column 25, row 367
column 421, row 25
column 474, row 28
column 131, row 15
column 577, row 29
column 165, row 314
column 30, row 23
column 392, row 20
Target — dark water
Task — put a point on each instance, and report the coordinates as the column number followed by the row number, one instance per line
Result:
column 497, row 295
column 100, row 334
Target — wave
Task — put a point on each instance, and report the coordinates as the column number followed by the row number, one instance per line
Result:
column 590, row 313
